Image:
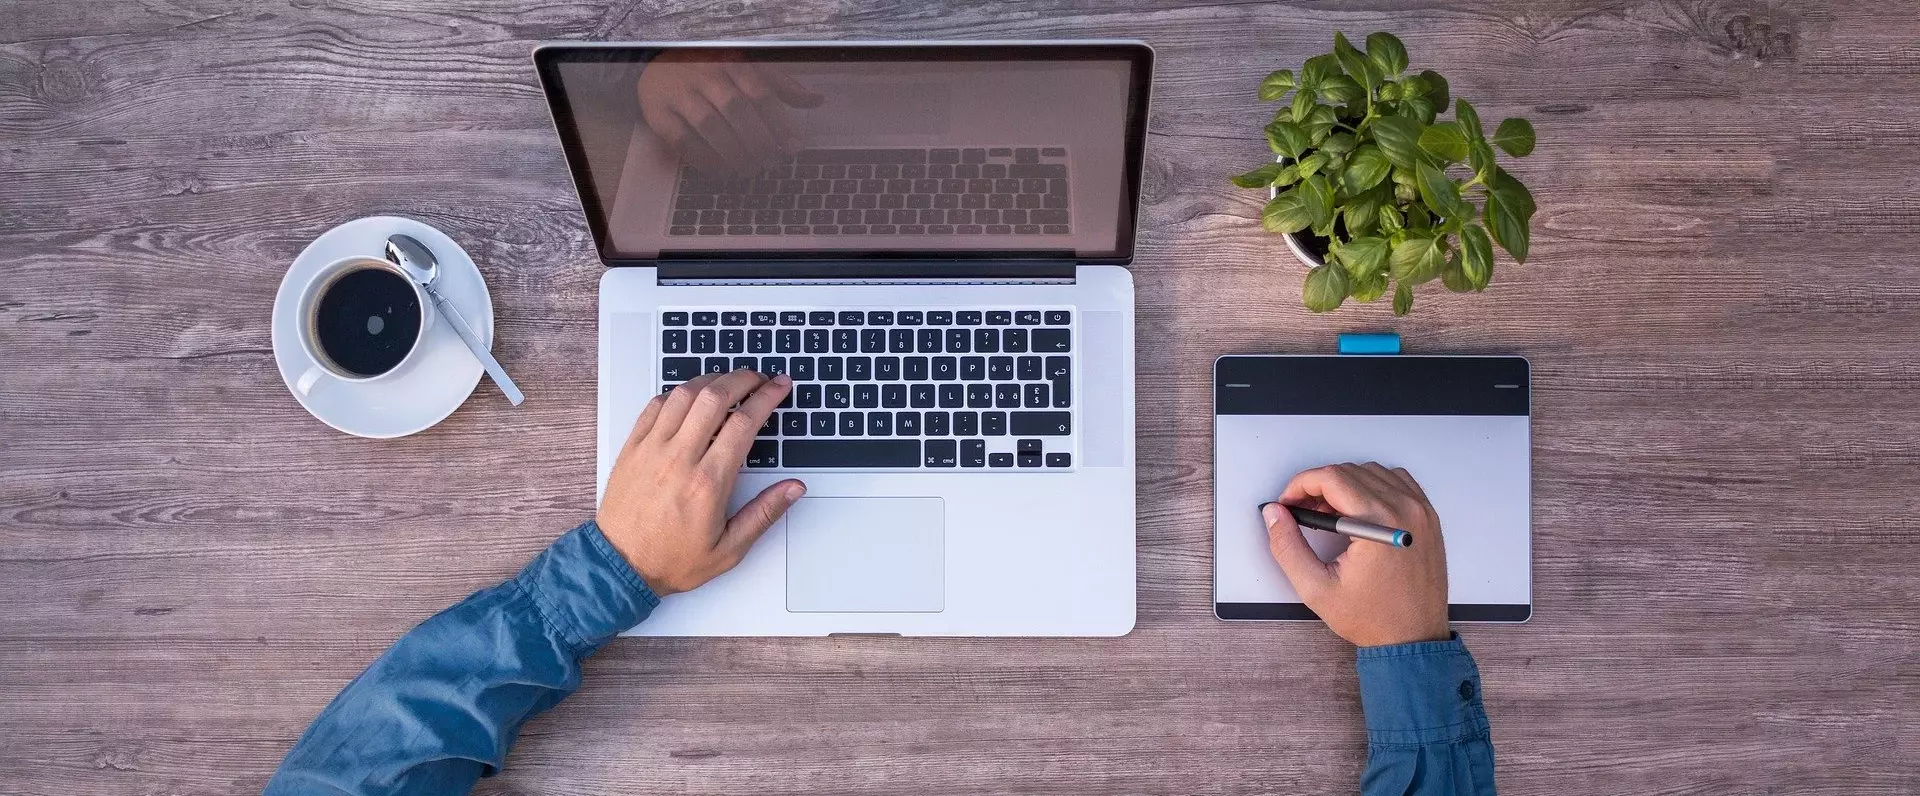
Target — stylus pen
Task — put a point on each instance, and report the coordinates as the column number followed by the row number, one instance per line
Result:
column 1348, row 526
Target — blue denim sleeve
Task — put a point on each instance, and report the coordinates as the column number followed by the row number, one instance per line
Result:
column 440, row 708
column 1426, row 728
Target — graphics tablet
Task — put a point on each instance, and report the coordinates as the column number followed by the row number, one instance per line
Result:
column 1459, row 424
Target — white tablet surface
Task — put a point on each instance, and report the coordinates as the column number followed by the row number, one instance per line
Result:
column 1459, row 424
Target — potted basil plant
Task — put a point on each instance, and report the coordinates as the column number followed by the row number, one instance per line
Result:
column 1373, row 191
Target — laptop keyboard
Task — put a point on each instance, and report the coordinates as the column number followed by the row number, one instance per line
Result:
column 1019, row 190
column 979, row 389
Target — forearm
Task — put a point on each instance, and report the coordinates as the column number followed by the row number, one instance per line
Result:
column 1426, row 726
column 440, row 708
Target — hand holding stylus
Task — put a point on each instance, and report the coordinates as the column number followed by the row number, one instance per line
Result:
column 1372, row 594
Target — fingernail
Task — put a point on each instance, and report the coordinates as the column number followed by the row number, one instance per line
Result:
column 795, row 490
column 783, row 379
column 1270, row 512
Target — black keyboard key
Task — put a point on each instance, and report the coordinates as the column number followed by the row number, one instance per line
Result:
column 916, row 368
column 999, row 318
column 973, row 368
column 911, row 318
column 1007, row 396
column 793, row 424
column 886, row 368
column 759, row 341
column 839, row 396
column 1014, row 341
column 873, row 341
column 1052, row 340
column 793, row 318
column 769, row 427
column 853, row 424
column 851, row 453
column 820, row 318
column 986, row 341
column 879, row 318
column 764, row 453
column 1027, row 317
column 706, row 319
column 732, row 341
column 893, row 396
column 852, row 318
column 939, row 318
column 1025, row 171
column 679, row 368
column 772, row 366
column 832, row 368
column 786, row 341
column 1059, row 460
column 973, row 453
column 673, row 341
column 674, row 318
column 967, row 317
column 703, row 341
column 1029, row 460
column 1026, row 154
column 801, row 368
column 1053, row 151
column 952, row 396
column 921, row 395
column 1060, row 372
column 1000, row 368
column 1028, row 447
column 1031, row 369
column 1059, row 317
column 807, row 396
column 980, row 396
column 746, row 363
column 993, row 424
column 1000, row 460
column 941, row 453
column 866, row 396
column 906, row 424
column 715, row 365
column 929, row 340
column 1036, row 396
column 900, row 341
column 879, row 424
column 945, row 369
column 846, row 341
column 959, row 341
column 966, row 424
column 733, row 319
column 937, row 423
column 824, row 423
column 859, row 368
column 817, row 341
column 1041, row 424
column 763, row 318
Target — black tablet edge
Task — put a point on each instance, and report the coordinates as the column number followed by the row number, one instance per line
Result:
column 1456, row 612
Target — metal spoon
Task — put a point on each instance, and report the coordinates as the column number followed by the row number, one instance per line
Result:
column 422, row 267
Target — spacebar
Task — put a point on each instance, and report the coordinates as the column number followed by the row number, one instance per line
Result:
column 850, row 453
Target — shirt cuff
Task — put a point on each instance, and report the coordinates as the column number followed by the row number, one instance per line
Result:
column 585, row 590
column 1421, row 693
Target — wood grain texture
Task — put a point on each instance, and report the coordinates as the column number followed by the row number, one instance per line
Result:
column 1722, row 314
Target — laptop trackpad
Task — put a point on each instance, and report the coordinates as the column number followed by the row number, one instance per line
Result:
column 866, row 554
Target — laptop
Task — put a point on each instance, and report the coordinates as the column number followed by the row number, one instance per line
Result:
column 931, row 239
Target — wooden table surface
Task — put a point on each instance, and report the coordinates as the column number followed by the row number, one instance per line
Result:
column 1723, row 315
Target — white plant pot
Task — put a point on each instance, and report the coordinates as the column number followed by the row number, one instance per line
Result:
column 1293, row 239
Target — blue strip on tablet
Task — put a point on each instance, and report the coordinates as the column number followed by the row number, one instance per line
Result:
column 1372, row 343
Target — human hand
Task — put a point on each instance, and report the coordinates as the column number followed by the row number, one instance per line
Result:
column 666, row 502
column 1372, row 594
column 721, row 113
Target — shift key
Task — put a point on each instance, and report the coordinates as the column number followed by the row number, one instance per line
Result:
column 1038, row 424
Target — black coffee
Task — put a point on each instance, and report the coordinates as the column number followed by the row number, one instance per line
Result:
column 367, row 320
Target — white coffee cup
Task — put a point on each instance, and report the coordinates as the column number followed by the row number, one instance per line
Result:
column 367, row 323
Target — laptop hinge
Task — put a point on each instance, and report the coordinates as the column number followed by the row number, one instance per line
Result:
column 870, row 272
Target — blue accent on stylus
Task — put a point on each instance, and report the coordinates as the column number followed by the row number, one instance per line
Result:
column 1402, row 539
column 1370, row 343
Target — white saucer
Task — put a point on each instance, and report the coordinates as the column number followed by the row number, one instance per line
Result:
column 444, row 372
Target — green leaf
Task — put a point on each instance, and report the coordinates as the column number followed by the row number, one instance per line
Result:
column 1468, row 118
column 1515, row 137
column 1368, row 289
column 1399, row 139
column 1287, row 213
column 1391, row 91
column 1341, row 88
column 1326, row 287
column 1360, row 214
column 1417, row 259
column 1324, row 229
column 1365, row 169
column 1419, row 109
column 1414, row 86
column 1318, row 69
column 1436, row 88
column 1302, row 105
column 1318, row 196
column 1287, row 138
column 1445, row 141
column 1440, row 192
column 1354, row 61
column 1512, row 191
column 1480, row 157
column 1276, row 85
column 1454, row 278
column 1319, row 122
column 1364, row 256
column 1509, row 226
column 1261, row 177
column 1338, row 143
column 1402, row 298
column 1311, row 164
column 1476, row 256
column 1387, row 53
column 1390, row 219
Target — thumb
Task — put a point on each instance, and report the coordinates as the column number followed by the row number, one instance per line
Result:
column 1309, row 575
column 760, row 513
column 791, row 92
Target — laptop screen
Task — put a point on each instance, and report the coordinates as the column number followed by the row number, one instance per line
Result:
column 860, row 151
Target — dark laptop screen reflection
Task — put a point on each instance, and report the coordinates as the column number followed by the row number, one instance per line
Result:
column 942, row 150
